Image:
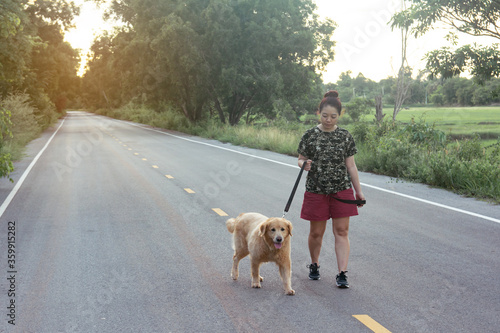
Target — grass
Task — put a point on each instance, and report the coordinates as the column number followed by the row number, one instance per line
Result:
column 457, row 122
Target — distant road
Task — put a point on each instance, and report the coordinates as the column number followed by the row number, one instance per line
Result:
column 120, row 227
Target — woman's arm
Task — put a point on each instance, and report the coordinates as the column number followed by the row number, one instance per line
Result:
column 352, row 169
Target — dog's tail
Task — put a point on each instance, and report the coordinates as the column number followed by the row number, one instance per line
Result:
column 230, row 224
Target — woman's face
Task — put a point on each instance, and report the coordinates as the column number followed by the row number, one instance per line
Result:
column 329, row 117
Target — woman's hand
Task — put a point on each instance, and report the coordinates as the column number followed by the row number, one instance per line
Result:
column 308, row 166
column 303, row 160
column 360, row 196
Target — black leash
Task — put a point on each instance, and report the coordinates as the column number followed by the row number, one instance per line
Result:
column 352, row 202
column 287, row 207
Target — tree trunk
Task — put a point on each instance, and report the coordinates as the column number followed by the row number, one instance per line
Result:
column 185, row 110
column 219, row 110
column 105, row 97
column 402, row 84
column 240, row 104
column 248, row 117
column 379, row 115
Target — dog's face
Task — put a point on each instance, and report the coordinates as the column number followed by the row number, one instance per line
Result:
column 277, row 230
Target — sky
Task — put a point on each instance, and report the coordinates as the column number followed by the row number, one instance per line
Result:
column 365, row 42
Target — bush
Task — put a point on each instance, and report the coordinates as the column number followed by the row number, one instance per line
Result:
column 469, row 149
column 421, row 133
column 358, row 107
column 419, row 153
column 478, row 178
column 6, row 166
column 360, row 132
column 25, row 124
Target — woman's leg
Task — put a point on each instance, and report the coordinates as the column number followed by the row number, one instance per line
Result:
column 342, row 247
column 316, row 232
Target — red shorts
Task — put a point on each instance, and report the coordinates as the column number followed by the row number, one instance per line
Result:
column 321, row 207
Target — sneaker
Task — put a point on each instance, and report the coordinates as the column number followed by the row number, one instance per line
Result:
column 342, row 280
column 313, row 271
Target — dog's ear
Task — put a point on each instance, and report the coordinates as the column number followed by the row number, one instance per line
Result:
column 262, row 228
column 290, row 227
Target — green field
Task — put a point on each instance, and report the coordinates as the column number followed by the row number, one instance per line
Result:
column 455, row 121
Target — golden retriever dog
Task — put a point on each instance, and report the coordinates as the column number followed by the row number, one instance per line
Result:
column 264, row 239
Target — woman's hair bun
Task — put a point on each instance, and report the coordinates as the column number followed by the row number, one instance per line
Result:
column 332, row 93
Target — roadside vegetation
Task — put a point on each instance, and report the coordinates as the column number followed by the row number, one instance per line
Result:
column 20, row 123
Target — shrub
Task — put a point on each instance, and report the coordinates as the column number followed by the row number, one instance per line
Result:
column 360, row 132
column 358, row 106
column 469, row 149
column 419, row 153
column 478, row 178
column 421, row 133
column 6, row 166
column 25, row 124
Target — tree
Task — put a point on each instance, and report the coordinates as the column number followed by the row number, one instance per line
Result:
column 483, row 63
column 345, row 86
column 101, row 83
column 386, row 89
column 363, row 86
column 230, row 56
column 416, row 93
column 53, row 62
column 15, row 46
column 403, row 22
column 254, row 49
column 476, row 18
column 33, row 56
column 54, row 65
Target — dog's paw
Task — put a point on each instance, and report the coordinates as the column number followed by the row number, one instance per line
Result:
column 234, row 276
column 261, row 278
column 256, row 285
column 290, row 292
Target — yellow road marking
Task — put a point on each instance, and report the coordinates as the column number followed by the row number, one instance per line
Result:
column 169, row 177
column 136, row 154
column 144, row 159
column 219, row 211
column 130, row 149
column 124, row 145
column 188, row 190
column 155, row 166
column 371, row 324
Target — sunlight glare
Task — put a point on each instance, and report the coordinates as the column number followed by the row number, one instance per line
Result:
column 88, row 25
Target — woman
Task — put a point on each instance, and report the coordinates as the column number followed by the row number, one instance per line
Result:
column 329, row 152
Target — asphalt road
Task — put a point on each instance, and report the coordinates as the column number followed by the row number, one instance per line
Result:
column 115, row 231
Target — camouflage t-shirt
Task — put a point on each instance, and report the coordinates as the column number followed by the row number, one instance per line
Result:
column 328, row 151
